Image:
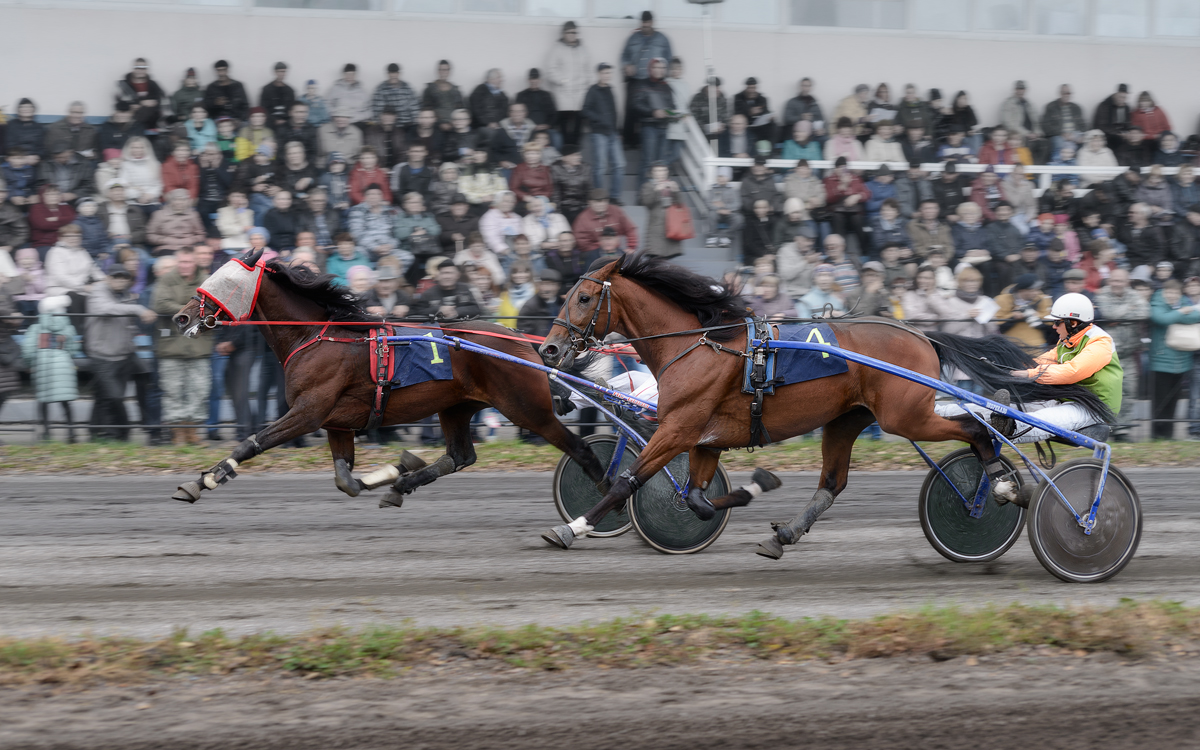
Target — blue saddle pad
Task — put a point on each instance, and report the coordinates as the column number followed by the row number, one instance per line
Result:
column 422, row 361
column 788, row 366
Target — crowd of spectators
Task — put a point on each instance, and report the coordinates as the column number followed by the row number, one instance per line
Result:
column 448, row 201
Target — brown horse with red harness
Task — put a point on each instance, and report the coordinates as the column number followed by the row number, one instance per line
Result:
column 702, row 409
column 331, row 383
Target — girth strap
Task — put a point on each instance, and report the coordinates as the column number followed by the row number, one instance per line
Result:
column 380, row 356
column 758, row 381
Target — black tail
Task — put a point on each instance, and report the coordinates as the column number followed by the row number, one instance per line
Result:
column 988, row 360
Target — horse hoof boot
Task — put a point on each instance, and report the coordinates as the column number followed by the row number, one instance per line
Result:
column 410, row 462
column 1024, row 496
column 770, row 547
column 701, row 506
column 188, row 492
column 766, row 480
column 560, row 536
column 1006, row 426
column 392, row 499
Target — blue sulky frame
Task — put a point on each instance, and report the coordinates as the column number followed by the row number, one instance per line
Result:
column 625, row 433
column 975, row 505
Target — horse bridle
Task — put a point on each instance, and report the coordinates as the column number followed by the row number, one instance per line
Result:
column 583, row 339
column 207, row 319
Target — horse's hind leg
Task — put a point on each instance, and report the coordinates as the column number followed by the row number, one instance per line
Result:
column 836, row 446
column 460, row 453
column 341, row 445
column 702, row 465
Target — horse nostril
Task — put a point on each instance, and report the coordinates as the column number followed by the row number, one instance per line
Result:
column 181, row 320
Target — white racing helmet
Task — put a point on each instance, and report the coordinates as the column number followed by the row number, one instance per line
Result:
column 1072, row 306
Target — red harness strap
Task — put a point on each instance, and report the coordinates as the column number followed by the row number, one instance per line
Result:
column 383, row 367
column 319, row 337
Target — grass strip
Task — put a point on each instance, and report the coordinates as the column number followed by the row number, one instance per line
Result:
column 110, row 458
column 1131, row 628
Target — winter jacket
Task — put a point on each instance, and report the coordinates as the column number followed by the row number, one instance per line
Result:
column 45, row 222
column 656, row 223
column 318, row 110
column 146, row 117
column 487, row 106
column 200, row 138
column 850, row 148
column 987, row 199
column 924, row 239
column 699, row 109
column 925, row 310
column 571, row 266
column 141, row 176
column 133, row 217
column 600, row 110
column 390, row 145
column 407, row 223
column 460, row 298
column 50, row 347
column 227, row 100
column 794, row 271
column 969, row 238
column 1182, row 196
column 169, row 230
column 799, row 106
column 835, row 194
column 481, row 185
column 407, row 179
column 185, row 176
column 880, row 192
column 1019, row 192
column 399, row 97
column 959, row 319
column 305, row 134
column 29, row 135
column 310, row 222
column 172, row 292
column 287, row 178
column 1031, row 337
column 914, row 115
column 497, row 229
column 949, row 194
column 539, row 231
column 337, row 266
column 794, row 150
column 1162, row 357
column 20, row 181
column 1152, row 123
column 10, row 322
column 815, row 301
column 73, row 177
column 249, row 139
column 353, row 98
column 754, row 189
column 528, row 181
column 78, row 138
column 487, row 261
column 95, row 237
column 540, row 106
column 14, row 227
column 329, row 140
column 1014, row 113
column 989, row 154
column 810, row 190
column 185, row 99
column 884, row 233
column 69, row 270
column 451, row 225
column 371, row 229
column 110, row 336
column 276, row 100
column 1143, row 247
column 1157, row 195
column 1110, row 118
column 650, row 95
column 283, row 226
column 911, row 193
column 589, row 225
column 851, row 108
column 1123, row 318
column 1052, row 118
column 1086, row 157
column 679, row 94
column 569, row 72
column 442, row 102
column 571, row 186
column 640, row 49
column 360, row 179
column 1004, row 239
column 114, row 135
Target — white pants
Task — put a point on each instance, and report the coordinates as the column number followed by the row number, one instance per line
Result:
column 635, row 382
column 1069, row 416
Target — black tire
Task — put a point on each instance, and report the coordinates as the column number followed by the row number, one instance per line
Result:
column 575, row 493
column 1057, row 538
column 947, row 522
column 663, row 520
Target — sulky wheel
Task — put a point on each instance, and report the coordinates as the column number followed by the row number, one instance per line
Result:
column 575, row 493
column 1058, row 539
column 663, row 519
column 947, row 522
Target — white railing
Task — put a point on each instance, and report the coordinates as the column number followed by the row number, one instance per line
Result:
column 1045, row 172
column 693, row 158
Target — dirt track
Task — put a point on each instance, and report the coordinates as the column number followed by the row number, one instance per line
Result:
column 288, row 553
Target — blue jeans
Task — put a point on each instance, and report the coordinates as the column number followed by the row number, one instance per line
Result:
column 608, row 157
column 654, row 148
column 217, row 392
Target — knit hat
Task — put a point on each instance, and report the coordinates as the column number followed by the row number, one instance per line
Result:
column 259, row 231
column 350, row 68
column 26, row 100
column 220, row 64
column 190, row 73
column 281, row 66
column 647, row 16
column 336, row 156
column 569, row 26
column 393, row 68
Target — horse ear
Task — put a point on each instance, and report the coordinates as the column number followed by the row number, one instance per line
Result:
column 620, row 262
column 251, row 257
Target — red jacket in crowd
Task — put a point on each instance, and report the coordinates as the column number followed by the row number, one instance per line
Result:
column 589, row 225
column 989, row 155
column 1152, row 123
column 835, row 193
column 45, row 222
column 361, row 179
column 176, row 175
column 526, row 181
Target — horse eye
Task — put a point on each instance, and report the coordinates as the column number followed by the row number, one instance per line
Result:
column 584, row 299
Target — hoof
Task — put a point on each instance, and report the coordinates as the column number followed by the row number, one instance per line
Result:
column 560, row 536
column 351, row 488
column 770, row 548
column 410, row 462
column 188, row 492
column 701, row 506
column 766, row 480
column 391, row 499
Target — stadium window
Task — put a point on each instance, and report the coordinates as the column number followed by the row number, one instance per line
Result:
column 679, row 9
column 425, row 6
column 1000, row 15
column 749, row 11
column 619, row 8
column 1125, row 18
column 858, row 14
column 560, row 8
column 322, row 4
column 1177, row 18
column 1061, row 17
column 941, row 15
column 491, row 6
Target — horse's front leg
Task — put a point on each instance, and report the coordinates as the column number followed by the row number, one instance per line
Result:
column 304, row 417
column 666, row 444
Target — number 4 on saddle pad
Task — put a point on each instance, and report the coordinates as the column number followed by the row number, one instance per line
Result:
column 788, row 366
column 416, row 362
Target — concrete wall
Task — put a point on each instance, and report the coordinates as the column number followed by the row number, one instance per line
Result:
column 64, row 54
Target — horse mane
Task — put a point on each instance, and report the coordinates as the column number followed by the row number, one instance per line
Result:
column 322, row 288
column 703, row 296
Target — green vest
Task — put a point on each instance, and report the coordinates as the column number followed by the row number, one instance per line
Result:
column 1106, row 382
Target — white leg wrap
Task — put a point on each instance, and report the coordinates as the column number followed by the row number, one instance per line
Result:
column 232, row 464
column 580, row 526
column 210, row 481
column 1006, row 490
column 753, row 489
column 380, row 477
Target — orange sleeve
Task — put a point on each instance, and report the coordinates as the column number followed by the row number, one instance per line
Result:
column 1049, row 358
column 1088, row 362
